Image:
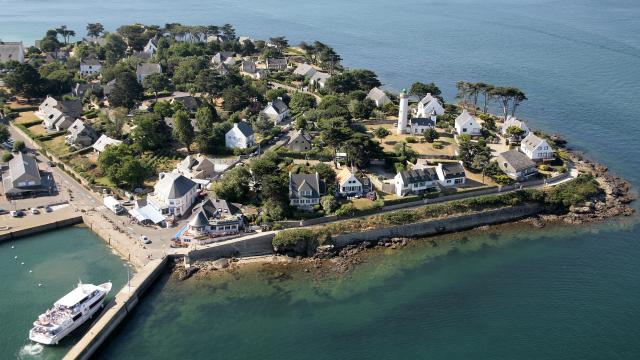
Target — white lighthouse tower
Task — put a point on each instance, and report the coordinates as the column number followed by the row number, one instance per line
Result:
column 403, row 113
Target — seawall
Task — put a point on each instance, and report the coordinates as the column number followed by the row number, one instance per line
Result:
column 441, row 226
column 46, row 225
column 252, row 245
column 117, row 310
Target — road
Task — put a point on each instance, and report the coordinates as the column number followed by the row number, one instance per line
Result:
column 292, row 89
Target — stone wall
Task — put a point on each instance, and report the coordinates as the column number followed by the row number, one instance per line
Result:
column 440, row 226
column 74, row 220
column 259, row 244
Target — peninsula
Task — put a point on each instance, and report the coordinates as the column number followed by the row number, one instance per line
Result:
column 194, row 142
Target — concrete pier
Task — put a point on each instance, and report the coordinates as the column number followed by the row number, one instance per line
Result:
column 34, row 224
column 116, row 311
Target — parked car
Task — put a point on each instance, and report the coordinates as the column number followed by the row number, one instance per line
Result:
column 17, row 213
column 35, row 211
column 144, row 239
column 3, row 211
column 48, row 209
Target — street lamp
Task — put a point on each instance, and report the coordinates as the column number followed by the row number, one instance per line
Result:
column 128, row 277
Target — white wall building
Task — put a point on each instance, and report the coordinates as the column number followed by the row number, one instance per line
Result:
column 240, row 136
column 403, row 113
column 415, row 181
column 451, row 174
column 90, row 67
column 536, row 148
column 467, row 124
column 429, row 105
column 173, row 194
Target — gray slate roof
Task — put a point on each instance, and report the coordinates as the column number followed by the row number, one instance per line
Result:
column 190, row 103
column 423, row 122
column 200, row 220
column 217, row 208
column 417, row 176
column 245, row 128
column 92, row 62
column 148, row 68
column 176, row 186
column 10, row 51
column 517, row 160
column 531, row 142
column 279, row 106
column 305, row 182
column 24, row 168
column 452, row 170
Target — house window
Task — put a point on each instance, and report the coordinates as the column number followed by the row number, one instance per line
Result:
column 464, row 130
column 459, row 181
column 448, row 181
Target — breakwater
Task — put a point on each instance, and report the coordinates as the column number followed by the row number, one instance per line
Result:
column 116, row 311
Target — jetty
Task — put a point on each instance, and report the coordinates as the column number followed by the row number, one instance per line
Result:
column 117, row 310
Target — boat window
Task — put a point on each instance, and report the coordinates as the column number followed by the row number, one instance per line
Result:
column 77, row 316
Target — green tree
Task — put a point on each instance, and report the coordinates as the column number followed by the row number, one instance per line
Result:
column 4, row 133
column 234, row 186
column 381, row 133
column 206, row 116
column 127, row 91
column 7, row 156
column 361, row 109
column 273, row 94
column 156, row 83
column 334, row 132
column 430, row 135
column 65, row 33
column 150, row 133
column 163, row 109
column 94, row 29
column 210, row 140
column 134, row 36
column 235, row 99
column 329, row 203
column 326, row 173
column 514, row 132
column 183, row 130
column 49, row 42
column 24, row 80
column 361, row 149
column 19, row 146
column 422, row 89
column 301, row 102
column 114, row 48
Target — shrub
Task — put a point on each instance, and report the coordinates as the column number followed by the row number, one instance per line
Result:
column 438, row 145
column 299, row 241
column 582, row 188
column 7, row 156
column 18, row 146
column 410, row 139
column 346, row 210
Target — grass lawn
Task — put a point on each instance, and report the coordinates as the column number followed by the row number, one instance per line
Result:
column 105, row 181
column 363, row 204
column 26, row 117
column 57, row 146
column 420, row 147
column 37, row 130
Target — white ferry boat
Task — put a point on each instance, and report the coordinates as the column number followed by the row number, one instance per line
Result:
column 71, row 311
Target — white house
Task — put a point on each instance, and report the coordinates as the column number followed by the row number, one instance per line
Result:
column 350, row 184
column 213, row 218
column 196, row 167
column 173, row 194
column 90, row 67
column 415, row 181
column 240, row 136
column 151, row 47
column 450, row 174
column 305, row 70
column 516, row 165
column 103, row 142
column 145, row 69
column 467, row 124
column 305, row 190
column 378, row 96
column 11, row 51
column 419, row 125
column 428, row 106
column 58, row 115
column 536, row 148
column 319, row 79
column 276, row 110
column 512, row 121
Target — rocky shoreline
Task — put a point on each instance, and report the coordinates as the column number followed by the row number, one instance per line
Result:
column 615, row 201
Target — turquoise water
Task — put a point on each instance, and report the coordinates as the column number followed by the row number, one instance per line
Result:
column 56, row 260
column 563, row 293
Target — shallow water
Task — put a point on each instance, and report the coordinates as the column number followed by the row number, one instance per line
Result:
column 46, row 268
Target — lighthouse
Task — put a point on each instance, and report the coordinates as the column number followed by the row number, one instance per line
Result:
column 403, row 113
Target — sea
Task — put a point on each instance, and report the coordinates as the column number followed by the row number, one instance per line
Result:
column 563, row 292
column 38, row 270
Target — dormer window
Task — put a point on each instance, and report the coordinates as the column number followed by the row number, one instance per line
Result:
column 306, row 193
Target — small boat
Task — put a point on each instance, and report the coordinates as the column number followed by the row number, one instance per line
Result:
column 71, row 311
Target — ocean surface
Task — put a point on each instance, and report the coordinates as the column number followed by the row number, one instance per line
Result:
column 38, row 270
column 557, row 293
